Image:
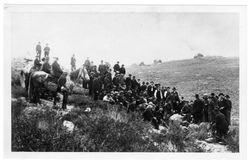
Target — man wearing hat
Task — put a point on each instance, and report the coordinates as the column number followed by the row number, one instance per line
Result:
column 128, row 82
column 215, row 100
column 39, row 50
column 117, row 67
column 143, row 87
column 46, row 50
column 205, row 109
column 134, row 84
column 175, row 99
column 102, row 68
column 46, row 67
column 122, row 70
column 211, row 107
column 37, row 63
column 73, row 63
column 62, row 88
column 197, row 111
column 151, row 89
column 167, row 94
column 56, row 69
column 158, row 95
column 223, row 107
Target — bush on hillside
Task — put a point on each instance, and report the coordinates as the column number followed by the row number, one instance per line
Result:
column 232, row 139
column 18, row 91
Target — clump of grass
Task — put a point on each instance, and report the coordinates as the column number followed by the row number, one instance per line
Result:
column 18, row 91
column 176, row 139
column 201, row 132
column 232, row 139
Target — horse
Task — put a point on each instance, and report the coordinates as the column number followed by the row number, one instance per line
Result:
column 40, row 80
column 80, row 73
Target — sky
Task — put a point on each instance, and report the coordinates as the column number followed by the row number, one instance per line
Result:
column 128, row 37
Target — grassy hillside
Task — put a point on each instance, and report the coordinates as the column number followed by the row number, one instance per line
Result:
column 206, row 75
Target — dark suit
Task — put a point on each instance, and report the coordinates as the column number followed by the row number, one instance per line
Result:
column 198, row 110
column 56, row 70
column 46, row 67
column 122, row 70
column 116, row 67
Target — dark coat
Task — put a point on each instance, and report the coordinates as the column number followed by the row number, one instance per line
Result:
column 62, row 81
column 174, row 97
column 46, row 67
column 151, row 90
column 143, row 88
column 134, row 84
column 102, row 69
column 148, row 115
column 167, row 96
column 198, row 106
column 56, row 70
column 116, row 67
column 128, row 82
column 96, row 85
column 122, row 70
column 229, row 104
column 223, row 106
column 221, row 123
column 37, row 64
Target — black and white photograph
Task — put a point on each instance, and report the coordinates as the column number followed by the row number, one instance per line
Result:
column 125, row 78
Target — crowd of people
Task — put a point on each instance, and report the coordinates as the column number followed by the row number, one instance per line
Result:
column 155, row 103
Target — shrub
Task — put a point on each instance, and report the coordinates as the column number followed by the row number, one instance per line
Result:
column 232, row 139
column 176, row 139
column 202, row 132
column 18, row 91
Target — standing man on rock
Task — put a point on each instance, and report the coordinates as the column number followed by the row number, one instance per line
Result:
column 87, row 64
column 39, row 50
column 46, row 50
column 73, row 63
column 102, row 68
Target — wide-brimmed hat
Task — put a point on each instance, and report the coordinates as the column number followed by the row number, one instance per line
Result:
column 221, row 94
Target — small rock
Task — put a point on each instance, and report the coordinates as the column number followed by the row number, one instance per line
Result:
column 69, row 125
column 88, row 109
column 43, row 125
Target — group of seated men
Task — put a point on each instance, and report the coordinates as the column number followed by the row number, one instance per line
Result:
column 157, row 103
